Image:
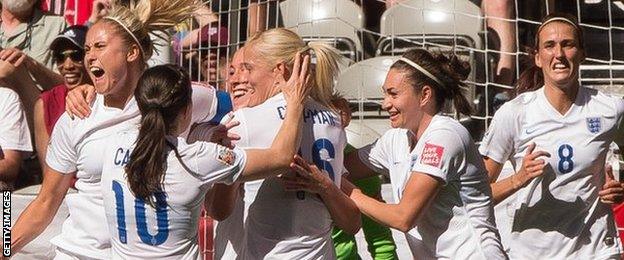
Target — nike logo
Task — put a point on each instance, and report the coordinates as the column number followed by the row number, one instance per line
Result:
column 530, row 131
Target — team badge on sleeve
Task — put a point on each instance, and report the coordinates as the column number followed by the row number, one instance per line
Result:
column 432, row 155
column 226, row 156
column 594, row 124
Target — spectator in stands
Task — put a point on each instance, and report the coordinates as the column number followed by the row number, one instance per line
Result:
column 15, row 142
column 75, row 12
column 262, row 15
column 68, row 52
column 207, row 51
column 496, row 12
column 99, row 9
column 26, row 65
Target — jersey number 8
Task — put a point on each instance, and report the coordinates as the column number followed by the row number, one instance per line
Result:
column 141, row 220
column 565, row 153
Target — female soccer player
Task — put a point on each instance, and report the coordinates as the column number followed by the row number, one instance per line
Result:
column 556, row 135
column 152, row 165
column 117, row 48
column 281, row 224
column 437, row 175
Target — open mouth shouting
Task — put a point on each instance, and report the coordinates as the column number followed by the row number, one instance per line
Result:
column 97, row 72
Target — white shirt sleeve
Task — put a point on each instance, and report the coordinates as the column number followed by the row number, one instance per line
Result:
column 216, row 163
column 498, row 141
column 61, row 155
column 438, row 154
column 376, row 155
column 209, row 105
column 241, row 129
column 14, row 131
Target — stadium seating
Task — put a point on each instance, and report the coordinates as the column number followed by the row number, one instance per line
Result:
column 430, row 23
column 361, row 85
column 334, row 21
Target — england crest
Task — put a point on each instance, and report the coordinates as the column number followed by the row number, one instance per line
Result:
column 594, row 124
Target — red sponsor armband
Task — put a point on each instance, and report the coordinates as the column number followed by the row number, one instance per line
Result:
column 432, row 155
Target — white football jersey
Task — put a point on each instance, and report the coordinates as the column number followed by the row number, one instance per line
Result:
column 558, row 215
column 14, row 132
column 228, row 234
column 168, row 231
column 459, row 222
column 77, row 146
column 281, row 224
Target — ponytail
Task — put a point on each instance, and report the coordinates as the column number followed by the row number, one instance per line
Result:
column 281, row 45
column 325, row 72
column 460, row 71
column 162, row 94
column 145, row 169
column 444, row 74
column 134, row 20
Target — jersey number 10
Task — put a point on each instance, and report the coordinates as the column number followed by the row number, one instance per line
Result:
column 141, row 220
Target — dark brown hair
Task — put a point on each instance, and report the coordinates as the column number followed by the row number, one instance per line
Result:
column 449, row 70
column 532, row 78
column 162, row 94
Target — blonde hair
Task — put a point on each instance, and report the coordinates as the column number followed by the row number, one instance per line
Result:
column 281, row 45
column 136, row 19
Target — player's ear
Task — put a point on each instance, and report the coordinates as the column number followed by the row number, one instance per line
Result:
column 134, row 53
column 281, row 71
column 426, row 95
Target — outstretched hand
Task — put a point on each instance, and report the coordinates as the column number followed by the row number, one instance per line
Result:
column 297, row 87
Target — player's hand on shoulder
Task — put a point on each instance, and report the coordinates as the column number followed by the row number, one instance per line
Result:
column 78, row 101
column 532, row 166
column 306, row 177
column 298, row 85
column 222, row 133
column 612, row 191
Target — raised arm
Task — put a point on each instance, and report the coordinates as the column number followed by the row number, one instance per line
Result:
column 420, row 190
column 43, row 75
column 286, row 143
